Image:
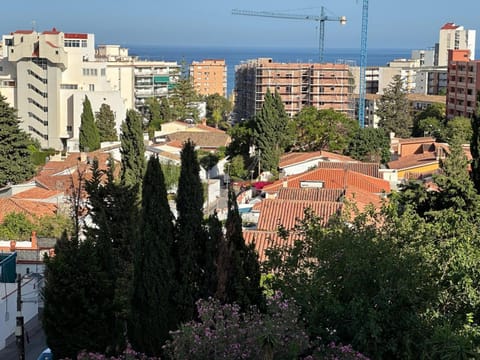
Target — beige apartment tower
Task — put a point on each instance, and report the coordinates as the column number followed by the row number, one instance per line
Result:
column 324, row 86
column 209, row 77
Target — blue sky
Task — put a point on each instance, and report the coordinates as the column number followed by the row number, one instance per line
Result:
column 408, row 24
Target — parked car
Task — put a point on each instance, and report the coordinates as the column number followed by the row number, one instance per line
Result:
column 45, row 355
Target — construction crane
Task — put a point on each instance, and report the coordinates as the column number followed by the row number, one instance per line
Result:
column 363, row 65
column 321, row 20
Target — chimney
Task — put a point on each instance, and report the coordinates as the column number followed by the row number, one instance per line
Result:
column 13, row 245
column 33, row 239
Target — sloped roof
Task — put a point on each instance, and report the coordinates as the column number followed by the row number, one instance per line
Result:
column 310, row 194
column 38, row 194
column 449, row 26
column 274, row 212
column 332, row 179
column 27, row 207
column 267, row 239
column 415, row 160
column 294, row 158
column 370, row 169
column 202, row 139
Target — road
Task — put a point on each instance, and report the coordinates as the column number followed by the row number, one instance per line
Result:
column 35, row 342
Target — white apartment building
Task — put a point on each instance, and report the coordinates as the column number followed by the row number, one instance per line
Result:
column 136, row 79
column 454, row 37
column 46, row 77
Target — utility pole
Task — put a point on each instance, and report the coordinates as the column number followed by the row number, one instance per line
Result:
column 19, row 330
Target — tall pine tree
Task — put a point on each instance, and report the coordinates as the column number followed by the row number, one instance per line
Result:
column 89, row 138
column 106, row 123
column 153, row 312
column 394, row 109
column 238, row 267
column 16, row 163
column 133, row 150
column 475, row 146
column 190, row 234
column 76, row 305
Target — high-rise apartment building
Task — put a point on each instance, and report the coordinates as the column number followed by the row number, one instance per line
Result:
column 463, row 84
column 209, row 77
column 454, row 37
column 46, row 77
column 324, row 86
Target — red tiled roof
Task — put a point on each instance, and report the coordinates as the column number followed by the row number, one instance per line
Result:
column 333, row 179
column 415, row 160
column 370, row 169
column 175, row 143
column 28, row 207
column 38, row 194
column 76, row 36
column 275, row 212
column 26, row 32
column 310, row 194
column 299, row 157
column 54, row 31
column 201, row 138
column 363, row 198
column 449, row 26
column 209, row 128
column 267, row 239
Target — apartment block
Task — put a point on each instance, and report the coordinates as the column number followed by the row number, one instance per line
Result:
column 454, row 37
column 46, row 77
column 463, row 84
column 324, row 86
column 209, row 77
column 137, row 79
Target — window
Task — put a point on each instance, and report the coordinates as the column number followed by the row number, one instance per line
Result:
column 102, row 72
column 84, row 43
column 91, row 87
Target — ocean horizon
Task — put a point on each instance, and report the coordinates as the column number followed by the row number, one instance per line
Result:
column 236, row 55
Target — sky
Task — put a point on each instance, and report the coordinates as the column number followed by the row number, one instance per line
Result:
column 404, row 24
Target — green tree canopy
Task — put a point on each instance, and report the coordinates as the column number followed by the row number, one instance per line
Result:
column 218, row 108
column 394, row 109
column 182, row 100
column 133, row 150
column 325, row 129
column 459, row 130
column 369, row 144
column 105, row 120
column 89, row 137
column 16, row 164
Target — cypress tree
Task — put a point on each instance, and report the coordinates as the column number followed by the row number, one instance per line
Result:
column 190, row 234
column 238, row 268
column 76, row 307
column 16, row 164
column 89, row 138
column 153, row 313
column 269, row 133
column 132, row 150
column 106, row 124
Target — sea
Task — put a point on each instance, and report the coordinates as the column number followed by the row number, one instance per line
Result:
column 236, row 55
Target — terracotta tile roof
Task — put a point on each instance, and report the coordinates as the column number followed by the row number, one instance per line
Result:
column 449, row 26
column 417, row 140
column 267, row 239
column 411, row 161
column 30, row 208
column 310, row 194
column 209, row 128
column 300, row 157
column 332, row 179
column 175, row 143
column 363, row 198
column 37, row 194
column 26, row 32
column 275, row 212
column 202, row 139
column 370, row 169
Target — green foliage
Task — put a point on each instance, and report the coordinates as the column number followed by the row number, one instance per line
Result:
column 16, row 226
column 271, row 132
column 429, row 121
column 181, row 100
column 191, row 235
column 89, row 137
column 154, row 267
column 394, row 109
column 218, row 108
column 236, row 167
column 323, row 130
column 76, row 308
column 166, row 113
column 208, row 161
column 39, row 157
column 171, row 174
column 224, row 332
column 105, row 121
column 369, row 144
column 133, row 150
column 16, row 164
column 238, row 267
column 458, row 129
column 475, row 146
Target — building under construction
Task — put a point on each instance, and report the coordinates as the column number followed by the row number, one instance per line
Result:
column 324, row 86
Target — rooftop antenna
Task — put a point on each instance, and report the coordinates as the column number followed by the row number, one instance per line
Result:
column 34, row 25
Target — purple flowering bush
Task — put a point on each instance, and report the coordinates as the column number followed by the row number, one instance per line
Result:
column 128, row 354
column 223, row 332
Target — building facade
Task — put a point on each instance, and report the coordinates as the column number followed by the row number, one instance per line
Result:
column 463, row 84
column 454, row 37
column 209, row 77
column 48, row 76
column 324, row 86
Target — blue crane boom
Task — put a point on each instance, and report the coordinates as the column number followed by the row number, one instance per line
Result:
column 321, row 20
column 363, row 65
